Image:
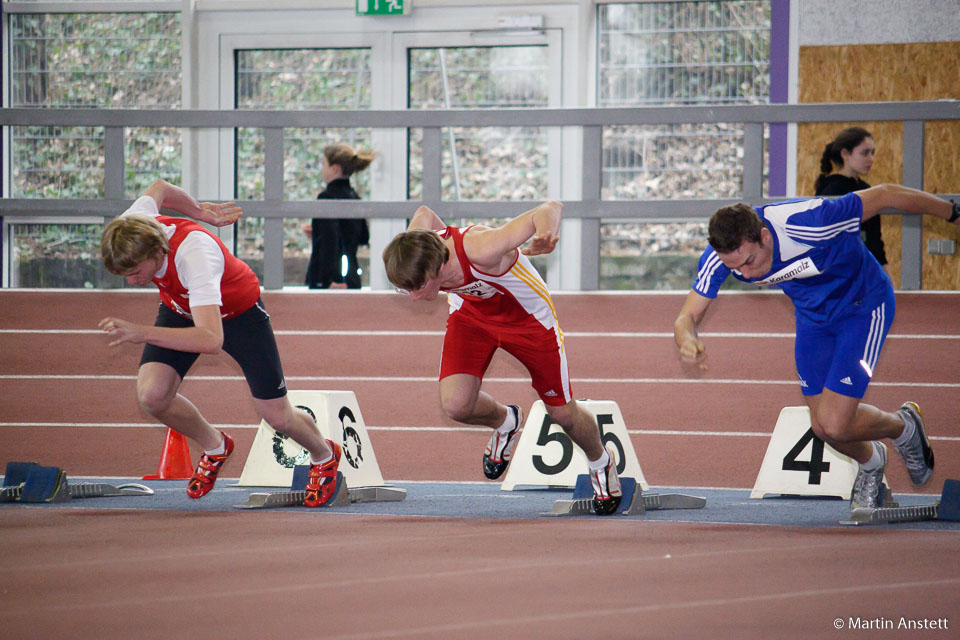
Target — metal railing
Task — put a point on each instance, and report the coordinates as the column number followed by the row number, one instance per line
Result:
column 590, row 208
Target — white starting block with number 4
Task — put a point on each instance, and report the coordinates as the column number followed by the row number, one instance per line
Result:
column 546, row 456
column 273, row 456
column 799, row 463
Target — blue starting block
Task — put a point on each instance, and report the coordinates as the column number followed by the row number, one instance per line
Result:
column 632, row 502
column 301, row 474
column 946, row 508
column 949, row 506
column 34, row 483
column 31, row 482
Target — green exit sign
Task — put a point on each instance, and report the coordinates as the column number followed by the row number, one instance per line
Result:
column 383, row 7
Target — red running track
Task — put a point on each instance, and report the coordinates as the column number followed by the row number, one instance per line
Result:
column 689, row 427
column 93, row 573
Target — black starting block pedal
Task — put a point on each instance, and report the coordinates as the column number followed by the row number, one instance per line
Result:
column 633, row 502
column 31, row 482
column 343, row 495
column 946, row 508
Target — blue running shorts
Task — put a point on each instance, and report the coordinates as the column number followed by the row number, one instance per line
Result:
column 842, row 356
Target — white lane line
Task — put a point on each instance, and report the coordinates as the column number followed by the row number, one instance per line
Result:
column 574, row 334
column 738, row 381
column 451, row 429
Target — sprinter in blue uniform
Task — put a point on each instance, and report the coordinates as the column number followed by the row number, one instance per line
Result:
column 844, row 304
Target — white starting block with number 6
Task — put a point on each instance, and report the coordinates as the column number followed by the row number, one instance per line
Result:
column 273, row 456
column 546, row 456
column 799, row 463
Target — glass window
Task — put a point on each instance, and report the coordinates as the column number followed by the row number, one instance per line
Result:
column 88, row 60
column 488, row 163
column 674, row 53
column 297, row 79
column 92, row 60
column 483, row 163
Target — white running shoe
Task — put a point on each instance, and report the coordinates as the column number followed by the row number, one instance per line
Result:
column 606, row 487
column 500, row 447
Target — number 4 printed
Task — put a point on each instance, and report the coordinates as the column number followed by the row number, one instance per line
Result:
column 816, row 466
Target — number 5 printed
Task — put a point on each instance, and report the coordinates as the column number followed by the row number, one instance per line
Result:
column 546, row 436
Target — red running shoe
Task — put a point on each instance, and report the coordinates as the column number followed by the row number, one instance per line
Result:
column 207, row 469
column 322, row 480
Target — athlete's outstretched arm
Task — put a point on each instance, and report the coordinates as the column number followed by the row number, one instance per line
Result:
column 169, row 196
column 685, row 326
column 425, row 218
column 895, row 196
column 540, row 225
column 206, row 336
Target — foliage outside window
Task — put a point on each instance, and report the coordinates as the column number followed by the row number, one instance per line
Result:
column 85, row 60
column 488, row 163
column 674, row 53
column 482, row 163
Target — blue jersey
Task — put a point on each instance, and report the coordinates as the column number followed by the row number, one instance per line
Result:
column 818, row 259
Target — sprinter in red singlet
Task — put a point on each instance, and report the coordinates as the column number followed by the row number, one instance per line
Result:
column 498, row 300
column 210, row 301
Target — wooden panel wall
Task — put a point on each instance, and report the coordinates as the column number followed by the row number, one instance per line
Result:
column 889, row 72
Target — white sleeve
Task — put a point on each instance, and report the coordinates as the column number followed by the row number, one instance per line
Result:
column 200, row 266
column 144, row 206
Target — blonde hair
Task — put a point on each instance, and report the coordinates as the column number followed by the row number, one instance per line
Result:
column 129, row 240
column 413, row 257
column 350, row 160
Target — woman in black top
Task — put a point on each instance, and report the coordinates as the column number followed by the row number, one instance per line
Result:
column 850, row 154
column 336, row 237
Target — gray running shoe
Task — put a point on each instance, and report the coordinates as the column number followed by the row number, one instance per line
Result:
column 916, row 453
column 867, row 487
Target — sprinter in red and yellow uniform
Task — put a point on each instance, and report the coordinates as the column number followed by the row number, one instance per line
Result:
column 498, row 300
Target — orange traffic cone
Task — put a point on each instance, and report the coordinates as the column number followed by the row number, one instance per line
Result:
column 174, row 460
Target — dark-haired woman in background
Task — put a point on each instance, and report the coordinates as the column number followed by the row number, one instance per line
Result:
column 335, row 237
column 843, row 164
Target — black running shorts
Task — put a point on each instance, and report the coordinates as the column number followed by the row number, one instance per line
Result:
column 249, row 340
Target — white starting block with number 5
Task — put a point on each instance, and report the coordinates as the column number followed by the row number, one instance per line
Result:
column 799, row 463
column 273, row 456
column 546, row 456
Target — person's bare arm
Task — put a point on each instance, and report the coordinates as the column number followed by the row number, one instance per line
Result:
column 540, row 225
column 905, row 199
column 425, row 218
column 685, row 326
column 169, row 196
column 206, row 336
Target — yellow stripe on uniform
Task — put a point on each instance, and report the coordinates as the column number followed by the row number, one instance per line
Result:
column 531, row 281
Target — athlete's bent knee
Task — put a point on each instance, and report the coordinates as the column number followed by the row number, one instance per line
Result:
column 833, row 428
column 154, row 400
column 458, row 409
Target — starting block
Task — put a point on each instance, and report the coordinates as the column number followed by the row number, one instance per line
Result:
column 343, row 496
column 946, row 508
column 634, row 501
column 31, row 482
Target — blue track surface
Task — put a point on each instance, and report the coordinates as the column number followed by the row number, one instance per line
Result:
column 486, row 500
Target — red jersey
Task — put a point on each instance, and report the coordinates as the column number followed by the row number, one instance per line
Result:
column 515, row 298
column 239, row 287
